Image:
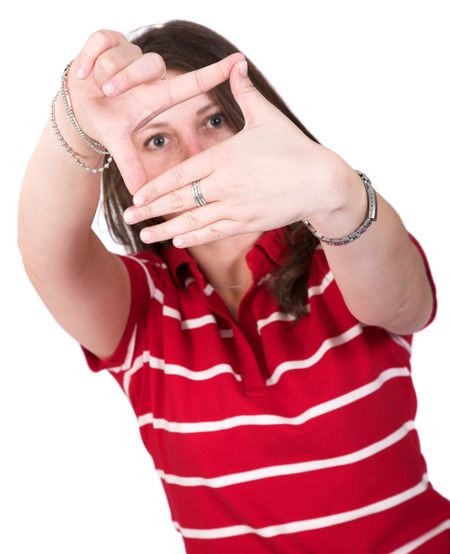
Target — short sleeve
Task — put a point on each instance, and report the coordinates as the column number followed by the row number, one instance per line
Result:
column 144, row 280
column 430, row 278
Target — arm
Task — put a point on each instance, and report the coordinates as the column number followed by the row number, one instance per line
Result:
column 85, row 287
column 381, row 275
column 270, row 175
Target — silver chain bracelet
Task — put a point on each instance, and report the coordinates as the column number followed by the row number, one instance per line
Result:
column 68, row 149
column 370, row 217
column 65, row 96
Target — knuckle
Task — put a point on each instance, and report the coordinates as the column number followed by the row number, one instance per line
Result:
column 216, row 233
column 176, row 200
column 125, row 77
column 199, row 78
column 222, row 71
column 106, row 64
column 83, row 58
column 102, row 37
column 192, row 220
column 157, row 62
column 179, row 177
column 136, row 48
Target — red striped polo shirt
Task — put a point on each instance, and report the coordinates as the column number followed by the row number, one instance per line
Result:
column 271, row 436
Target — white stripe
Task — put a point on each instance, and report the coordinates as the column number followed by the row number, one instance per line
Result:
column 150, row 262
column 129, row 355
column 138, row 362
column 306, row 524
column 320, row 289
column 173, row 369
column 272, row 419
column 322, row 350
column 192, row 323
column 289, row 469
column 275, row 316
column 131, row 348
column 171, row 312
column 280, row 316
column 222, row 368
column 410, row 546
column 208, row 290
column 401, row 341
column 155, row 293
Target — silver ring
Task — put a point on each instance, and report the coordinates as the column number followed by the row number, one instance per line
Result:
column 197, row 192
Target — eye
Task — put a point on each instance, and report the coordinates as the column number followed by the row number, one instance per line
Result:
column 217, row 120
column 155, row 141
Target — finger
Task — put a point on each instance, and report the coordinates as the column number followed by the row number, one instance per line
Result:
column 216, row 231
column 202, row 80
column 197, row 167
column 113, row 61
column 252, row 103
column 164, row 94
column 147, row 67
column 128, row 162
column 175, row 201
column 188, row 222
column 96, row 44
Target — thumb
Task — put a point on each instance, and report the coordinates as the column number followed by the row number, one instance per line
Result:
column 250, row 100
column 128, row 162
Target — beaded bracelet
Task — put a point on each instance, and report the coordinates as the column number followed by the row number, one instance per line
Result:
column 68, row 149
column 370, row 217
column 92, row 143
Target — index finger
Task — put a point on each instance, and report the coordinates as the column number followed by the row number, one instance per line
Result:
column 183, row 87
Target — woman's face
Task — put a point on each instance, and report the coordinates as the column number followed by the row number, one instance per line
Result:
column 181, row 132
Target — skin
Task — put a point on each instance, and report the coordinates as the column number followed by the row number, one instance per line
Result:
column 266, row 176
column 178, row 134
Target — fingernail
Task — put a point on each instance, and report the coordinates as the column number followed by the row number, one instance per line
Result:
column 109, row 89
column 146, row 235
column 138, row 200
column 129, row 216
column 81, row 73
column 243, row 69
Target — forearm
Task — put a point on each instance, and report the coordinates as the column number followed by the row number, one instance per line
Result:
column 381, row 275
column 57, row 204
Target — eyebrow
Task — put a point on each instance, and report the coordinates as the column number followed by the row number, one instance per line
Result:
column 145, row 123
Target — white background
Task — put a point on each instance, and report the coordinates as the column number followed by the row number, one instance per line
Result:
column 369, row 79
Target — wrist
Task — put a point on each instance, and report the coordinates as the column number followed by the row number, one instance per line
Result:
column 347, row 208
column 89, row 156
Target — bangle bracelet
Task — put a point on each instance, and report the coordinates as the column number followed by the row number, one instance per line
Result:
column 92, row 143
column 370, row 217
column 67, row 148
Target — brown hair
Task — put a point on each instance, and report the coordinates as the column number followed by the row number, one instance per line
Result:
column 187, row 46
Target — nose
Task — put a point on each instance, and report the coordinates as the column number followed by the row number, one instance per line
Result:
column 192, row 145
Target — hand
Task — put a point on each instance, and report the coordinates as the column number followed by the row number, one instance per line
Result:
column 114, row 87
column 268, row 175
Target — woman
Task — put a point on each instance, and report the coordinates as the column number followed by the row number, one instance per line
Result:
column 269, row 370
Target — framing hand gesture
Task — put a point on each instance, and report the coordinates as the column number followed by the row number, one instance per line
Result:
column 115, row 89
column 268, row 175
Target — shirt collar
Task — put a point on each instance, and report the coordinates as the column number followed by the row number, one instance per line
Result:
column 272, row 243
